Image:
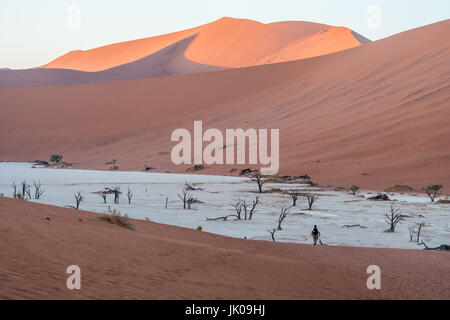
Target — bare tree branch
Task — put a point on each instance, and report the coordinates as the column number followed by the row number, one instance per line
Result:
column 272, row 234
column 186, row 198
column 393, row 217
column 258, row 178
column 26, row 190
column 189, row 187
column 283, row 214
column 311, row 198
column 14, row 187
column 294, row 196
column 116, row 191
column 222, row 218
column 78, row 199
column 37, row 189
column 442, row 247
column 252, row 210
column 238, row 207
column 103, row 195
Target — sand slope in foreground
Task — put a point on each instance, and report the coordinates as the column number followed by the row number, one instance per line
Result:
column 156, row 261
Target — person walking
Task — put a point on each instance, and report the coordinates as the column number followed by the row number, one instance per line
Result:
column 315, row 234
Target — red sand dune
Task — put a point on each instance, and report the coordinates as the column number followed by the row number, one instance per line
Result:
column 166, row 62
column 375, row 115
column 116, row 54
column 154, row 261
column 226, row 42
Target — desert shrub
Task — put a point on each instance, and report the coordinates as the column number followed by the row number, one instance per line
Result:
column 162, row 153
column 274, row 179
column 354, row 189
column 199, row 228
column 312, row 184
column 20, row 196
column 115, row 217
column 196, row 167
column 113, row 164
column 338, row 188
column 444, row 201
column 56, row 158
column 274, row 190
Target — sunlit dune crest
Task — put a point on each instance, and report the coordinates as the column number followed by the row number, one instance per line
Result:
column 227, row 42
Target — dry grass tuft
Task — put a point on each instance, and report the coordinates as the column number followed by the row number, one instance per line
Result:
column 115, row 217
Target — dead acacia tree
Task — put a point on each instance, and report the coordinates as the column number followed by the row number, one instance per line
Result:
column 116, row 191
column 411, row 230
column 253, row 208
column 393, row 218
column 283, row 214
column 294, row 196
column 183, row 197
column 418, row 232
column 37, row 189
column 189, row 187
column 14, row 187
column 242, row 205
column 272, row 234
column 442, row 247
column 103, row 194
column 415, row 234
column 186, row 198
column 258, row 178
column 26, row 190
column 78, row 199
column 238, row 208
column 24, row 186
column 248, row 211
column 311, row 198
column 129, row 195
column 190, row 201
column 224, row 218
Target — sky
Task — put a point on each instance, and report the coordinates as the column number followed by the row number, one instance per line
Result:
column 34, row 32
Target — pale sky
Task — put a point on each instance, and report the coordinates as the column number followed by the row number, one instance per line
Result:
column 34, row 32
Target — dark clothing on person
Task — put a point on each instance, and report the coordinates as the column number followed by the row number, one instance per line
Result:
column 315, row 234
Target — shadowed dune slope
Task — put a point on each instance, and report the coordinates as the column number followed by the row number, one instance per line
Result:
column 116, row 54
column 154, row 261
column 227, row 42
column 166, row 62
column 375, row 115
